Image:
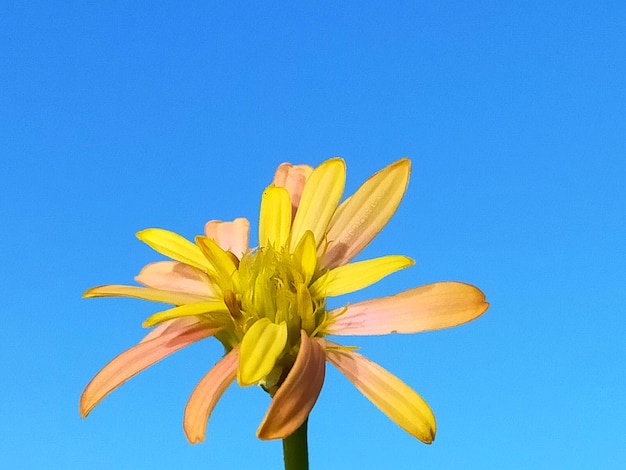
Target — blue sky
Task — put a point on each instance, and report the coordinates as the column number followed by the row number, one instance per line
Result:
column 116, row 117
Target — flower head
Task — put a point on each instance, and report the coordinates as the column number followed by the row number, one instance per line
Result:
column 267, row 305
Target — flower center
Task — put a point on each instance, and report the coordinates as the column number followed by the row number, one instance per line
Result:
column 270, row 301
column 274, row 284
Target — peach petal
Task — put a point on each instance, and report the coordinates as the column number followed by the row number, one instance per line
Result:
column 391, row 395
column 429, row 307
column 230, row 236
column 295, row 398
column 169, row 325
column 174, row 276
column 157, row 345
column 292, row 178
column 206, row 395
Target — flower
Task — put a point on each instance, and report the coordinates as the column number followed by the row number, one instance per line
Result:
column 267, row 305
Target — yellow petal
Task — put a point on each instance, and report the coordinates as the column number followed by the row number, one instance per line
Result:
column 305, row 256
column 175, row 276
column 206, row 395
column 176, row 247
column 360, row 217
column 304, row 307
column 354, row 276
column 153, row 348
column 320, row 197
column 275, row 217
column 222, row 262
column 261, row 347
column 145, row 293
column 230, row 236
column 295, row 398
column 214, row 311
column 429, row 307
column 391, row 395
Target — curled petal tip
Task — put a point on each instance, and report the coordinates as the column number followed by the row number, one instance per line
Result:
column 82, row 407
column 193, row 439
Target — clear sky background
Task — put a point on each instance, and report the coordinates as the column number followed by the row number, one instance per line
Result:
column 118, row 116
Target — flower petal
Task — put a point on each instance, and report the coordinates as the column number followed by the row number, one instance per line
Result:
column 145, row 293
column 176, row 247
column 214, row 311
column 354, row 276
column 275, row 217
column 360, row 217
column 206, row 395
column 175, row 336
column 261, row 347
column 304, row 307
column 429, row 307
column 305, row 256
column 292, row 178
column 169, row 325
column 230, row 236
column 295, row 398
column 320, row 197
column 175, row 276
column 223, row 263
column 391, row 395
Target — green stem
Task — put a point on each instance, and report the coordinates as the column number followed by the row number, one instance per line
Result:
column 295, row 449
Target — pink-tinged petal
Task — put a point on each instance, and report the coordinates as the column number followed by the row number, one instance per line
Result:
column 429, row 307
column 206, row 395
column 391, row 395
column 295, row 398
column 174, row 276
column 230, row 236
column 168, row 339
column 292, row 178
column 360, row 217
column 177, row 325
column 170, row 325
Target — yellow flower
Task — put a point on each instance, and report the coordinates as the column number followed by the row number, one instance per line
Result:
column 267, row 305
